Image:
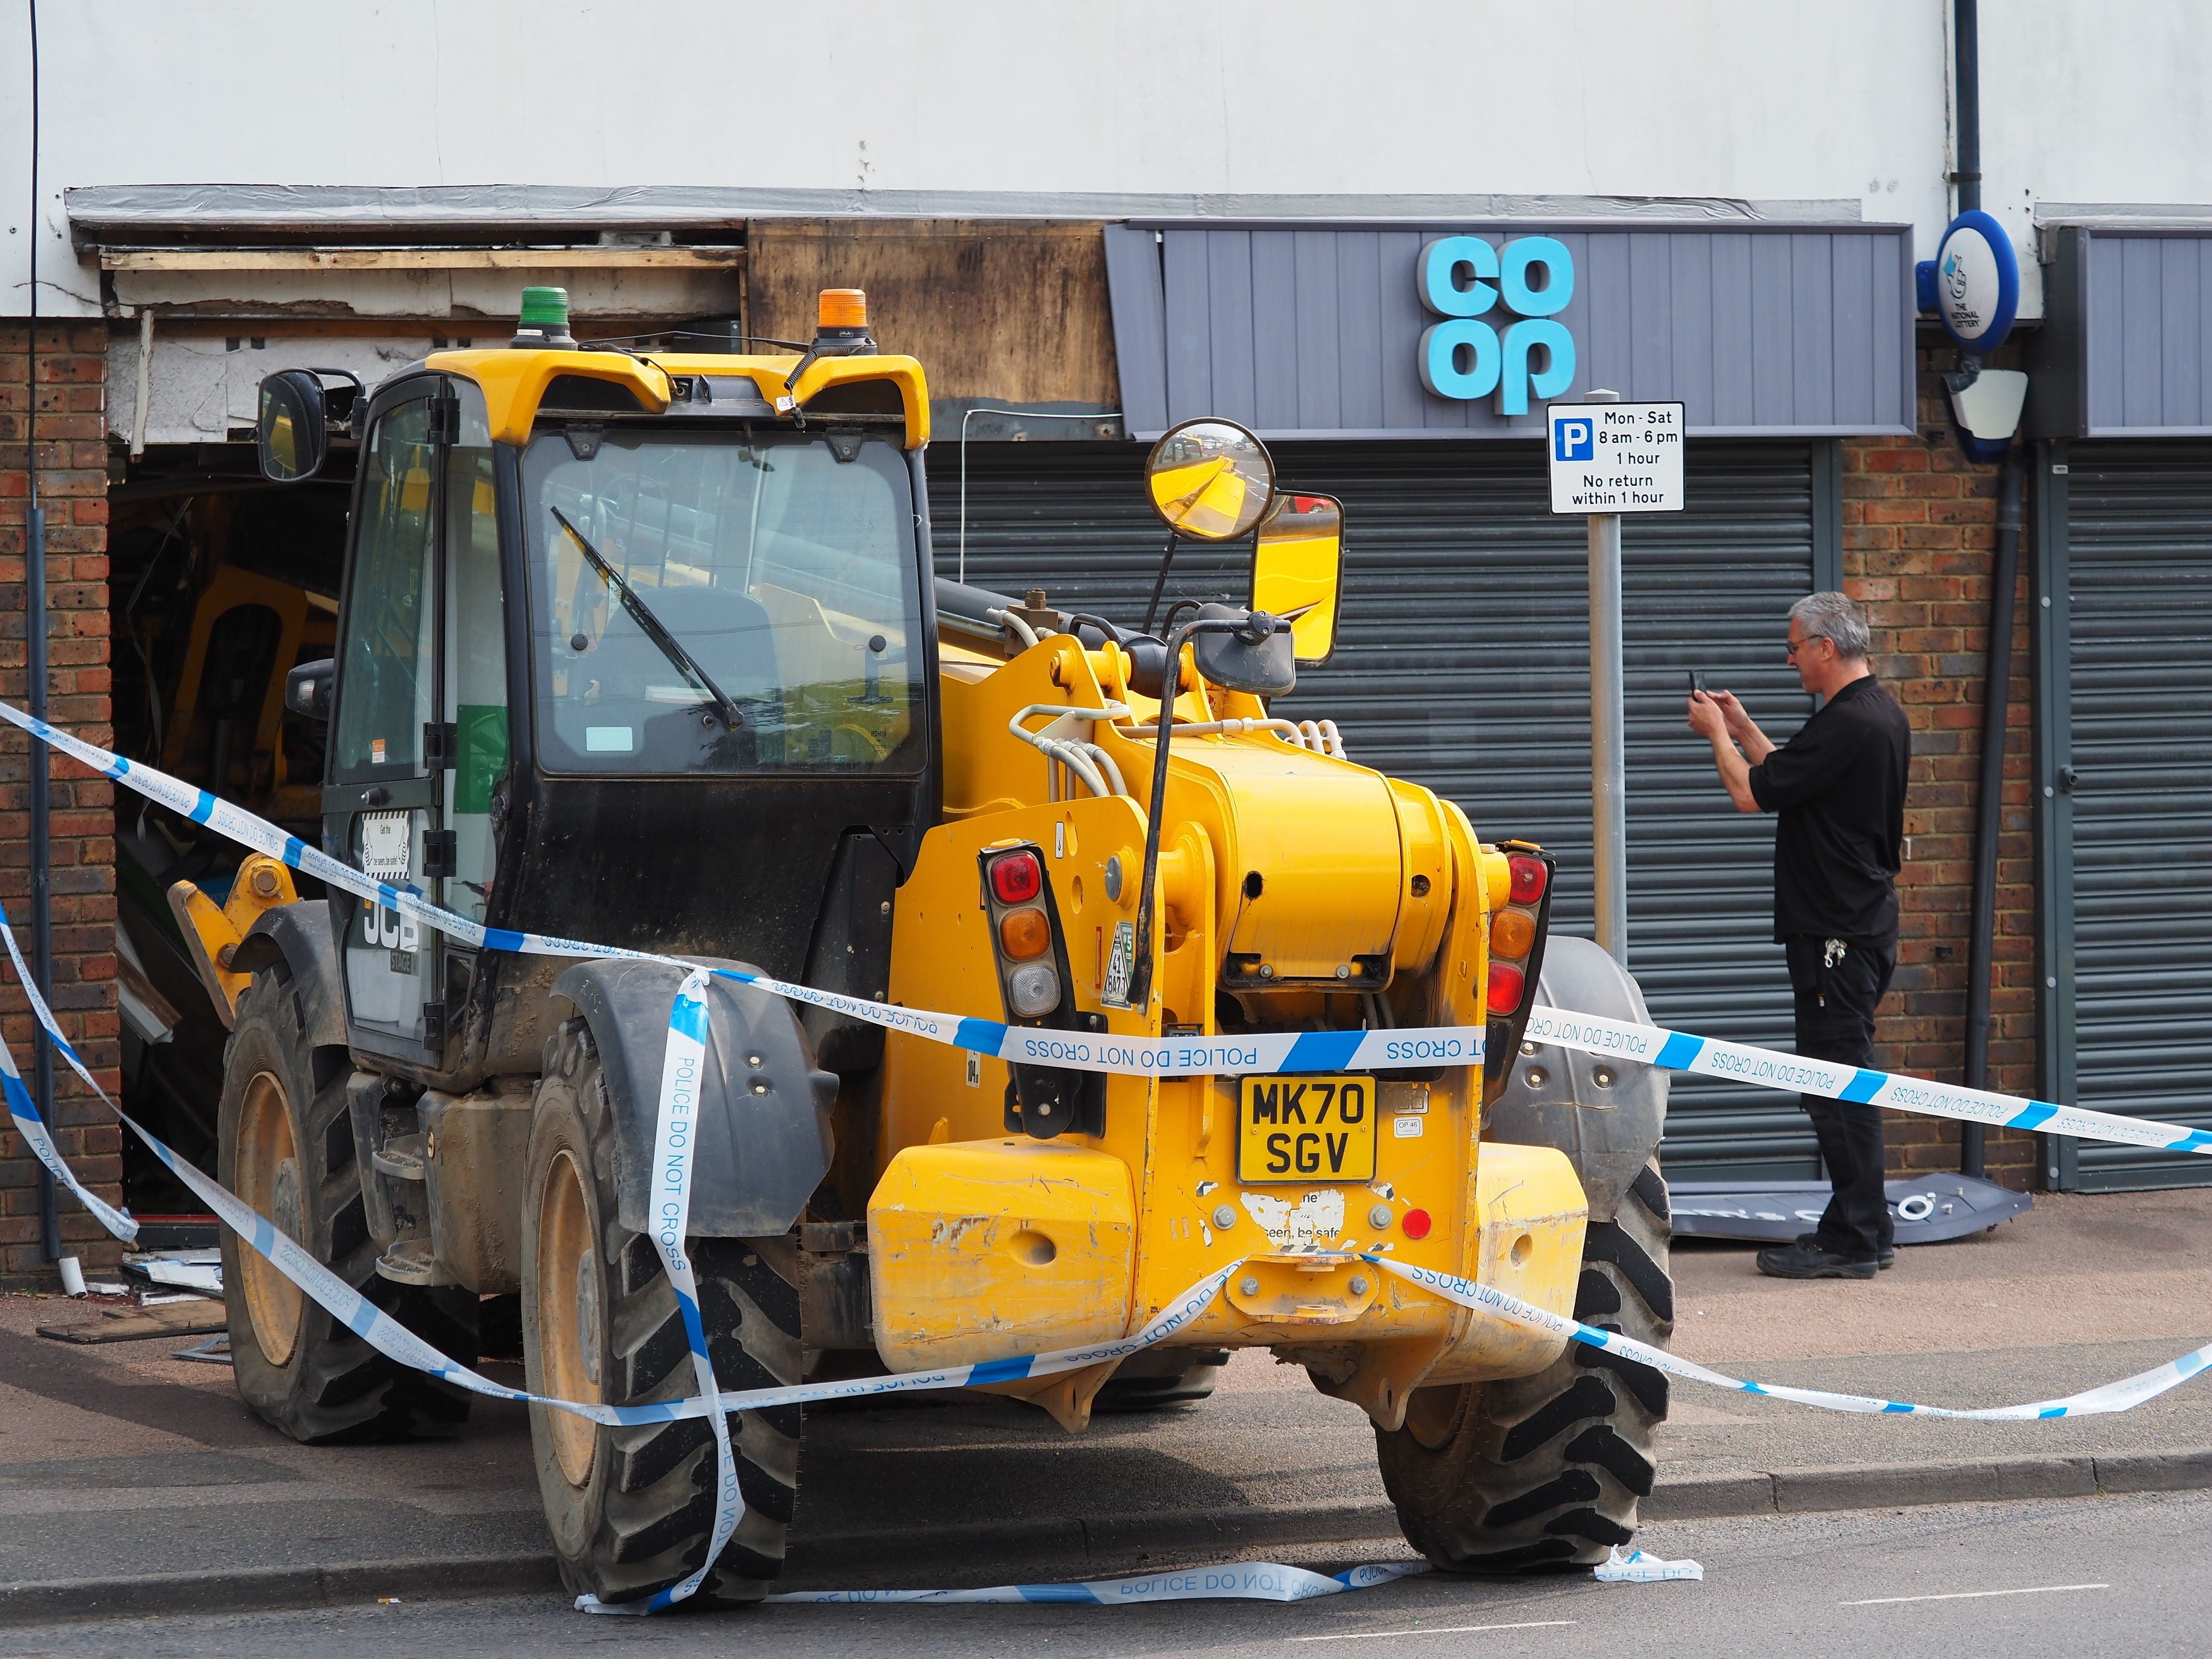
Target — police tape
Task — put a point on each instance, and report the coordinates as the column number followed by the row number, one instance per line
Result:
column 686, row 1056
column 1770, row 1068
column 1270, row 1051
column 1246, row 1581
column 396, row 1341
column 683, row 1066
column 2101, row 1402
column 1252, row 1054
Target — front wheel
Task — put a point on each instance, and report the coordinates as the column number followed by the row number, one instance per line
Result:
column 1543, row 1474
column 285, row 1146
column 632, row 1510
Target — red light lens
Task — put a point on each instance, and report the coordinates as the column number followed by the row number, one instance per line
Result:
column 1416, row 1224
column 1506, row 984
column 1017, row 878
column 1529, row 878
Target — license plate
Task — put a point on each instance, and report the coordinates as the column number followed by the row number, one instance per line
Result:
column 1305, row 1129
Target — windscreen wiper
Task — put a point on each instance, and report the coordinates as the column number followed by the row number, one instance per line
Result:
column 650, row 625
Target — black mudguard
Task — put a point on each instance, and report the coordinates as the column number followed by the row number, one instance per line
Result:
column 1608, row 1129
column 758, row 1157
column 298, row 935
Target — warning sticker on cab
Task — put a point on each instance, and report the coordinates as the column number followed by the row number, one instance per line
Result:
column 1305, row 1129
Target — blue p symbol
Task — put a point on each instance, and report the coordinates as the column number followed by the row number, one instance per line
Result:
column 1573, row 440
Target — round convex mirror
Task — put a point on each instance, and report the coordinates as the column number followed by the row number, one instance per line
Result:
column 1210, row 480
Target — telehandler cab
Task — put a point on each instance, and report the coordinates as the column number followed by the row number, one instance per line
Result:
column 648, row 651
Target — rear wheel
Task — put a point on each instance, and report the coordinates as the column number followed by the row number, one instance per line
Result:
column 631, row 1510
column 1543, row 1474
column 285, row 1146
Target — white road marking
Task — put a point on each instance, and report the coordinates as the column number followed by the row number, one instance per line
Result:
column 1434, row 1629
column 1968, row 1595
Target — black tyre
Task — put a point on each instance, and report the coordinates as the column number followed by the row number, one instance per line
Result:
column 285, row 1146
column 1543, row 1474
column 631, row 1511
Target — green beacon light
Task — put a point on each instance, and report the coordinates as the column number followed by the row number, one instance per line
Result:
column 544, row 318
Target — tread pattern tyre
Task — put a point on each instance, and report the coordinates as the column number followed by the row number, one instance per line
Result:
column 296, row 1364
column 631, row 1510
column 1543, row 1474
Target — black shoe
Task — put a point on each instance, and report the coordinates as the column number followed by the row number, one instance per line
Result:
column 1886, row 1258
column 1806, row 1262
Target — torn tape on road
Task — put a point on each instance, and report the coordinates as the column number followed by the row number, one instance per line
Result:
column 1637, row 1567
column 1246, row 1581
column 1771, row 1068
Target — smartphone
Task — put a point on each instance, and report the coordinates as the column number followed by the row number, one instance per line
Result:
column 1696, row 683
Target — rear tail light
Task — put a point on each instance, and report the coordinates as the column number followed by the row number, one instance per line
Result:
column 1516, row 957
column 1511, row 934
column 1024, row 934
column 1032, row 990
column 1017, row 877
column 1030, row 954
column 1529, row 878
column 1507, row 982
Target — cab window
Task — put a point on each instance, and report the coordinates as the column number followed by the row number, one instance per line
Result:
column 385, row 678
column 781, row 573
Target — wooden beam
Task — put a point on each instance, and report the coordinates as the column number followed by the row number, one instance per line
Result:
column 424, row 258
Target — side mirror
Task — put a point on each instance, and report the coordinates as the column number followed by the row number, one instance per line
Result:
column 1262, row 666
column 297, row 412
column 293, row 433
column 1210, row 480
column 1297, row 571
column 308, row 688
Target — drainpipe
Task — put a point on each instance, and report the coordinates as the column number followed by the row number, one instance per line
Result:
column 37, row 762
column 1996, row 684
column 1966, row 102
column 1989, row 803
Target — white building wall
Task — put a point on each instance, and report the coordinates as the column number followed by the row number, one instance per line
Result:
column 1787, row 103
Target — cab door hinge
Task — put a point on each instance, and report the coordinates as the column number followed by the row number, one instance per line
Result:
column 440, row 746
column 440, row 853
column 446, row 419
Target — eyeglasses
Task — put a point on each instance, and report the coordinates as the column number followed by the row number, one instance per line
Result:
column 1793, row 647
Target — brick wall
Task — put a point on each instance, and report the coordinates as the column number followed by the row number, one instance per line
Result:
column 1919, row 535
column 67, row 392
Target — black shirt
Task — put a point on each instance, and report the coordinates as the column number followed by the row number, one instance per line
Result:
column 1840, row 787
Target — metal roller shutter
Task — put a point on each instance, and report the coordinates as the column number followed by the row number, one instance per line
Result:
column 1463, row 664
column 2139, row 660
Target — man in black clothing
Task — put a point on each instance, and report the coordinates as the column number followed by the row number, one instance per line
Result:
column 1839, row 789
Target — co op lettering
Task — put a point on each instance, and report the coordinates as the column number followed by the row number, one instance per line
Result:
column 1460, row 278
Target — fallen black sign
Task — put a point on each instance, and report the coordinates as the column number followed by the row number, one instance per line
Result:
column 1927, row 1211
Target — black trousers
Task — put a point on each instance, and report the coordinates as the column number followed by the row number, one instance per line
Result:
column 1837, row 985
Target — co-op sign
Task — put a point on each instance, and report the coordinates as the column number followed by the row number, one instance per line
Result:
column 1500, row 332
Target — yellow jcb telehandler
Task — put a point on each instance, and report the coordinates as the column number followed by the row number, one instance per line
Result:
column 649, row 651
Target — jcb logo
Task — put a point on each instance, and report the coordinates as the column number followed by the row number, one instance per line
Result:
column 1460, row 278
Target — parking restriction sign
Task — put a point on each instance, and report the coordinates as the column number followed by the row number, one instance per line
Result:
column 1616, row 458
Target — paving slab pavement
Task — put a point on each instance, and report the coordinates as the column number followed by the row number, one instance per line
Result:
column 132, row 1482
